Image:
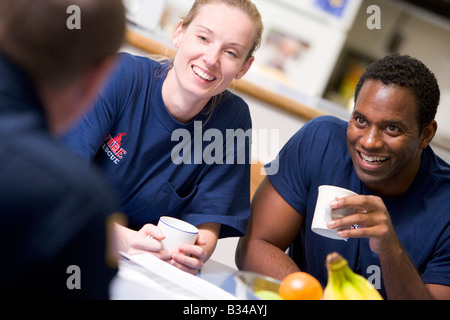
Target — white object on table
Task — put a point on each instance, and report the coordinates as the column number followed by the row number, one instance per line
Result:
column 177, row 232
column 144, row 276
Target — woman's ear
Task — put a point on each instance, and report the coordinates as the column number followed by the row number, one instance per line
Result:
column 245, row 68
column 177, row 34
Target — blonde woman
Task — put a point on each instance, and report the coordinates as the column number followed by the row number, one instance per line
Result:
column 151, row 133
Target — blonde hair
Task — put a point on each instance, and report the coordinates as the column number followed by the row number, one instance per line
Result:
column 247, row 6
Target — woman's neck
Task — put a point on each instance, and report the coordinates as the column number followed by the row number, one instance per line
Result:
column 181, row 106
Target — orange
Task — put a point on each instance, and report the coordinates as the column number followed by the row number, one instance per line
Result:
column 300, row 286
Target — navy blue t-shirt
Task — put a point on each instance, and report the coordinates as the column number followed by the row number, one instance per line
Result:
column 53, row 207
column 316, row 155
column 160, row 166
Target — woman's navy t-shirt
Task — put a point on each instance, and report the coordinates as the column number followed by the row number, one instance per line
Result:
column 160, row 166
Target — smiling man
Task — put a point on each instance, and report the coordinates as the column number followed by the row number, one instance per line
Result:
column 402, row 242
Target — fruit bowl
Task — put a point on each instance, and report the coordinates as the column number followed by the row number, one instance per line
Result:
column 254, row 286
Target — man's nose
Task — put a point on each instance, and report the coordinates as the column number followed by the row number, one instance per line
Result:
column 372, row 139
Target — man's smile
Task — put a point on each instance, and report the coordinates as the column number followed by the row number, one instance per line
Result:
column 372, row 159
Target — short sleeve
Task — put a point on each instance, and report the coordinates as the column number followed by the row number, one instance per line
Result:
column 290, row 180
column 437, row 269
column 308, row 155
column 87, row 135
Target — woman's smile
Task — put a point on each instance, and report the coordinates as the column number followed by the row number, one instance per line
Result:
column 204, row 75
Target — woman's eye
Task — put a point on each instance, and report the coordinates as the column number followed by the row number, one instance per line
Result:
column 231, row 53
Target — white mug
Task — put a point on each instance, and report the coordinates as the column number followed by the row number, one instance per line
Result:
column 323, row 212
column 177, row 232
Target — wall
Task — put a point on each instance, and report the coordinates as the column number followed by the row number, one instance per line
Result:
column 421, row 35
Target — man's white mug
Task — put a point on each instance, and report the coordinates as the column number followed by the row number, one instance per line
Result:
column 323, row 212
column 177, row 232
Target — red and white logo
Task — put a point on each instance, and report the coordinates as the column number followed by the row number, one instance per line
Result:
column 113, row 147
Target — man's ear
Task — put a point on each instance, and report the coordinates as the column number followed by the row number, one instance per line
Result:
column 65, row 103
column 428, row 134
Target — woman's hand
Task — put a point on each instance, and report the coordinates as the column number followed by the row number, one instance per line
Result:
column 189, row 258
column 148, row 239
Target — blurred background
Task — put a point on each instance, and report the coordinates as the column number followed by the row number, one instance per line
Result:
column 312, row 55
column 314, row 51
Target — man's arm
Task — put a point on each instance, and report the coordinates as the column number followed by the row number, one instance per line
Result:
column 401, row 278
column 272, row 227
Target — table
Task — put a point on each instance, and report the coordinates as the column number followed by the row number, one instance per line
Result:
column 137, row 281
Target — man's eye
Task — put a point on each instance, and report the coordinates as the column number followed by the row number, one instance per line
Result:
column 360, row 120
column 392, row 128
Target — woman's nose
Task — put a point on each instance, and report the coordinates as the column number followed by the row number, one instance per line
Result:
column 212, row 57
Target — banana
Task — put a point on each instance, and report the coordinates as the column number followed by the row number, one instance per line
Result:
column 366, row 288
column 344, row 284
column 350, row 292
column 332, row 290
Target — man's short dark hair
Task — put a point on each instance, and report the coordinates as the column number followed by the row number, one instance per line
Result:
column 408, row 72
column 35, row 36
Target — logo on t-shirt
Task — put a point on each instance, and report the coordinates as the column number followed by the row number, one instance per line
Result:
column 113, row 147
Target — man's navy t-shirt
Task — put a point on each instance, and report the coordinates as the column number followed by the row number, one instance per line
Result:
column 318, row 155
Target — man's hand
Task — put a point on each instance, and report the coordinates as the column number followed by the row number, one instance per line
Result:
column 373, row 220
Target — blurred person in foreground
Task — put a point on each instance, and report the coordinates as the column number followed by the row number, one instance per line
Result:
column 401, row 224
column 54, row 208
